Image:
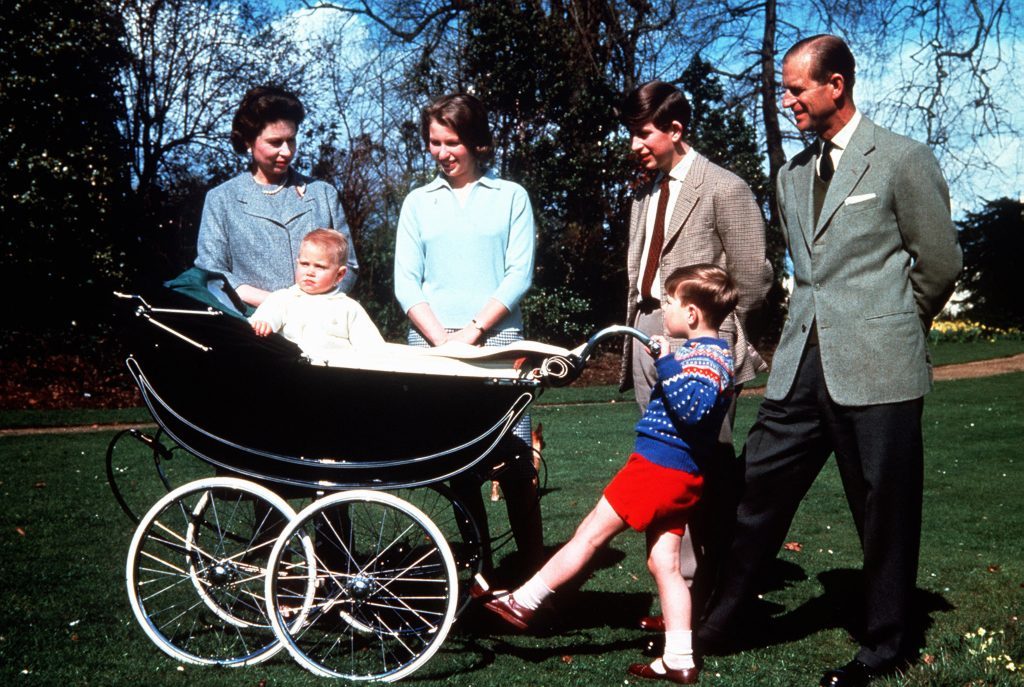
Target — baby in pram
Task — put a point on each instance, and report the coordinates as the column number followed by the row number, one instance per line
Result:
column 313, row 313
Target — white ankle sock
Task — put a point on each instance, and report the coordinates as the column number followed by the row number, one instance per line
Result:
column 678, row 650
column 532, row 594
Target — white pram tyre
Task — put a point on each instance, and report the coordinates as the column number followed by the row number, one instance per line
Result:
column 385, row 593
column 196, row 570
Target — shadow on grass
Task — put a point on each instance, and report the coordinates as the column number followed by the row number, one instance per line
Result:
column 840, row 606
column 575, row 625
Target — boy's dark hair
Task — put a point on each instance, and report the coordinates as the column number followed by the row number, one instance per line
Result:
column 465, row 115
column 261, row 106
column 656, row 102
column 706, row 286
column 331, row 240
column 829, row 55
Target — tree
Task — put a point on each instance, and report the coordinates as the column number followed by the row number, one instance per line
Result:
column 546, row 77
column 941, row 68
column 992, row 240
column 720, row 130
column 552, row 75
column 65, row 177
column 188, row 64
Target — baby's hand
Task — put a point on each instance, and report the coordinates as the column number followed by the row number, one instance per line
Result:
column 262, row 328
column 663, row 342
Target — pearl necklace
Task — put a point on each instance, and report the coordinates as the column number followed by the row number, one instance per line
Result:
column 274, row 191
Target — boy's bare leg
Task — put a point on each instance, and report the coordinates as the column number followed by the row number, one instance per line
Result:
column 663, row 563
column 676, row 607
column 597, row 529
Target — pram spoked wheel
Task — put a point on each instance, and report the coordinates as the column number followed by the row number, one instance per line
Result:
column 197, row 566
column 459, row 529
column 385, row 592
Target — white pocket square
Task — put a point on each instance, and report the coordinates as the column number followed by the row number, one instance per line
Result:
column 850, row 200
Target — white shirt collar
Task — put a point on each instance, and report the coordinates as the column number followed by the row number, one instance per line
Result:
column 441, row 181
column 842, row 138
column 678, row 173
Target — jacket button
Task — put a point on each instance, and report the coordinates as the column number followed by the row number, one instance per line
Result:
column 803, row 327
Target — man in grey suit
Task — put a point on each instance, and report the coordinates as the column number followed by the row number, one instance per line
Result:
column 865, row 213
column 693, row 212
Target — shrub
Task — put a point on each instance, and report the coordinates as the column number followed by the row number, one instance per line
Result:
column 962, row 331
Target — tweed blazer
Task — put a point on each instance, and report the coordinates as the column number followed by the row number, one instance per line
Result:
column 715, row 220
column 253, row 238
column 878, row 265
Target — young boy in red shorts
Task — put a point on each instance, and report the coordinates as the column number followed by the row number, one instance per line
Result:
column 661, row 482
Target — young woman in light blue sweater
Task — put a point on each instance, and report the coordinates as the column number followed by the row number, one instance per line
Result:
column 463, row 261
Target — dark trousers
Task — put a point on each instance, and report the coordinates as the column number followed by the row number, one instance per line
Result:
column 880, row 458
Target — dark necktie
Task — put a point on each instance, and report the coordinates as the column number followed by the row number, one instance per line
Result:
column 825, row 164
column 822, row 179
column 657, row 240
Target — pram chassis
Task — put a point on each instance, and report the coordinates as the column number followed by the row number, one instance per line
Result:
column 360, row 584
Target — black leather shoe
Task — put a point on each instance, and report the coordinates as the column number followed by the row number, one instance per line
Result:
column 853, row 674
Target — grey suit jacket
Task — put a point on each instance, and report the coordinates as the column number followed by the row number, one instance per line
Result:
column 874, row 270
column 715, row 220
column 252, row 238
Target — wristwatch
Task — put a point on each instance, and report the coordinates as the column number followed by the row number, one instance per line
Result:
column 477, row 325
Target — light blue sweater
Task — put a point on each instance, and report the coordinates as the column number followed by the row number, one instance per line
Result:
column 454, row 258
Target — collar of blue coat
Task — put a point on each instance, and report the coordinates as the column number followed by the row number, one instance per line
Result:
column 248, row 190
column 488, row 180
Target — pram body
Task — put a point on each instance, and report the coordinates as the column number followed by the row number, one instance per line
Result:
column 339, row 584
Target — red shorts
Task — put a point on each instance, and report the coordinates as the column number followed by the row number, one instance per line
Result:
column 645, row 494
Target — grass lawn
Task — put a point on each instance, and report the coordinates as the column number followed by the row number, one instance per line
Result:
column 65, row 617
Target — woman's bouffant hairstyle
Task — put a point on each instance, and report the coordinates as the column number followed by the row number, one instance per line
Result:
column 261, row 106
column 656, row 102
column 466, row 116
column 330, row 240
column 707, row 286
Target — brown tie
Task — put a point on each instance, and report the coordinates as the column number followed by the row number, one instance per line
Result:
column 657, row 240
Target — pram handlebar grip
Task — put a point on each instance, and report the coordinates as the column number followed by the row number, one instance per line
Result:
column 576, row 361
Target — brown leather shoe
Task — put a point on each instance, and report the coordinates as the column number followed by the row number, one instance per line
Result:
column 653, row 623
column 685, row 676
column 480, row 590
column 511, row 612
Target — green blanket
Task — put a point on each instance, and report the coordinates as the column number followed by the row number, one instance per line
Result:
column 212, row 289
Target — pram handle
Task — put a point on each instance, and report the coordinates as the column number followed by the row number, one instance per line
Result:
column 616, row 330
column 562, row 370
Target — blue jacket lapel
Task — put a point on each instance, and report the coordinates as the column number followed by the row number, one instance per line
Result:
column 256, row 203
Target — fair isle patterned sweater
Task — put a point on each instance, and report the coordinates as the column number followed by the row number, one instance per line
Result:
column 682, row 421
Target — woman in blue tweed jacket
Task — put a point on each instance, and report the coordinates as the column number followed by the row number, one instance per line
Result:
column 253, row 224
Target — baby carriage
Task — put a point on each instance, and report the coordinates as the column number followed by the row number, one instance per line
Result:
column 366, row 580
